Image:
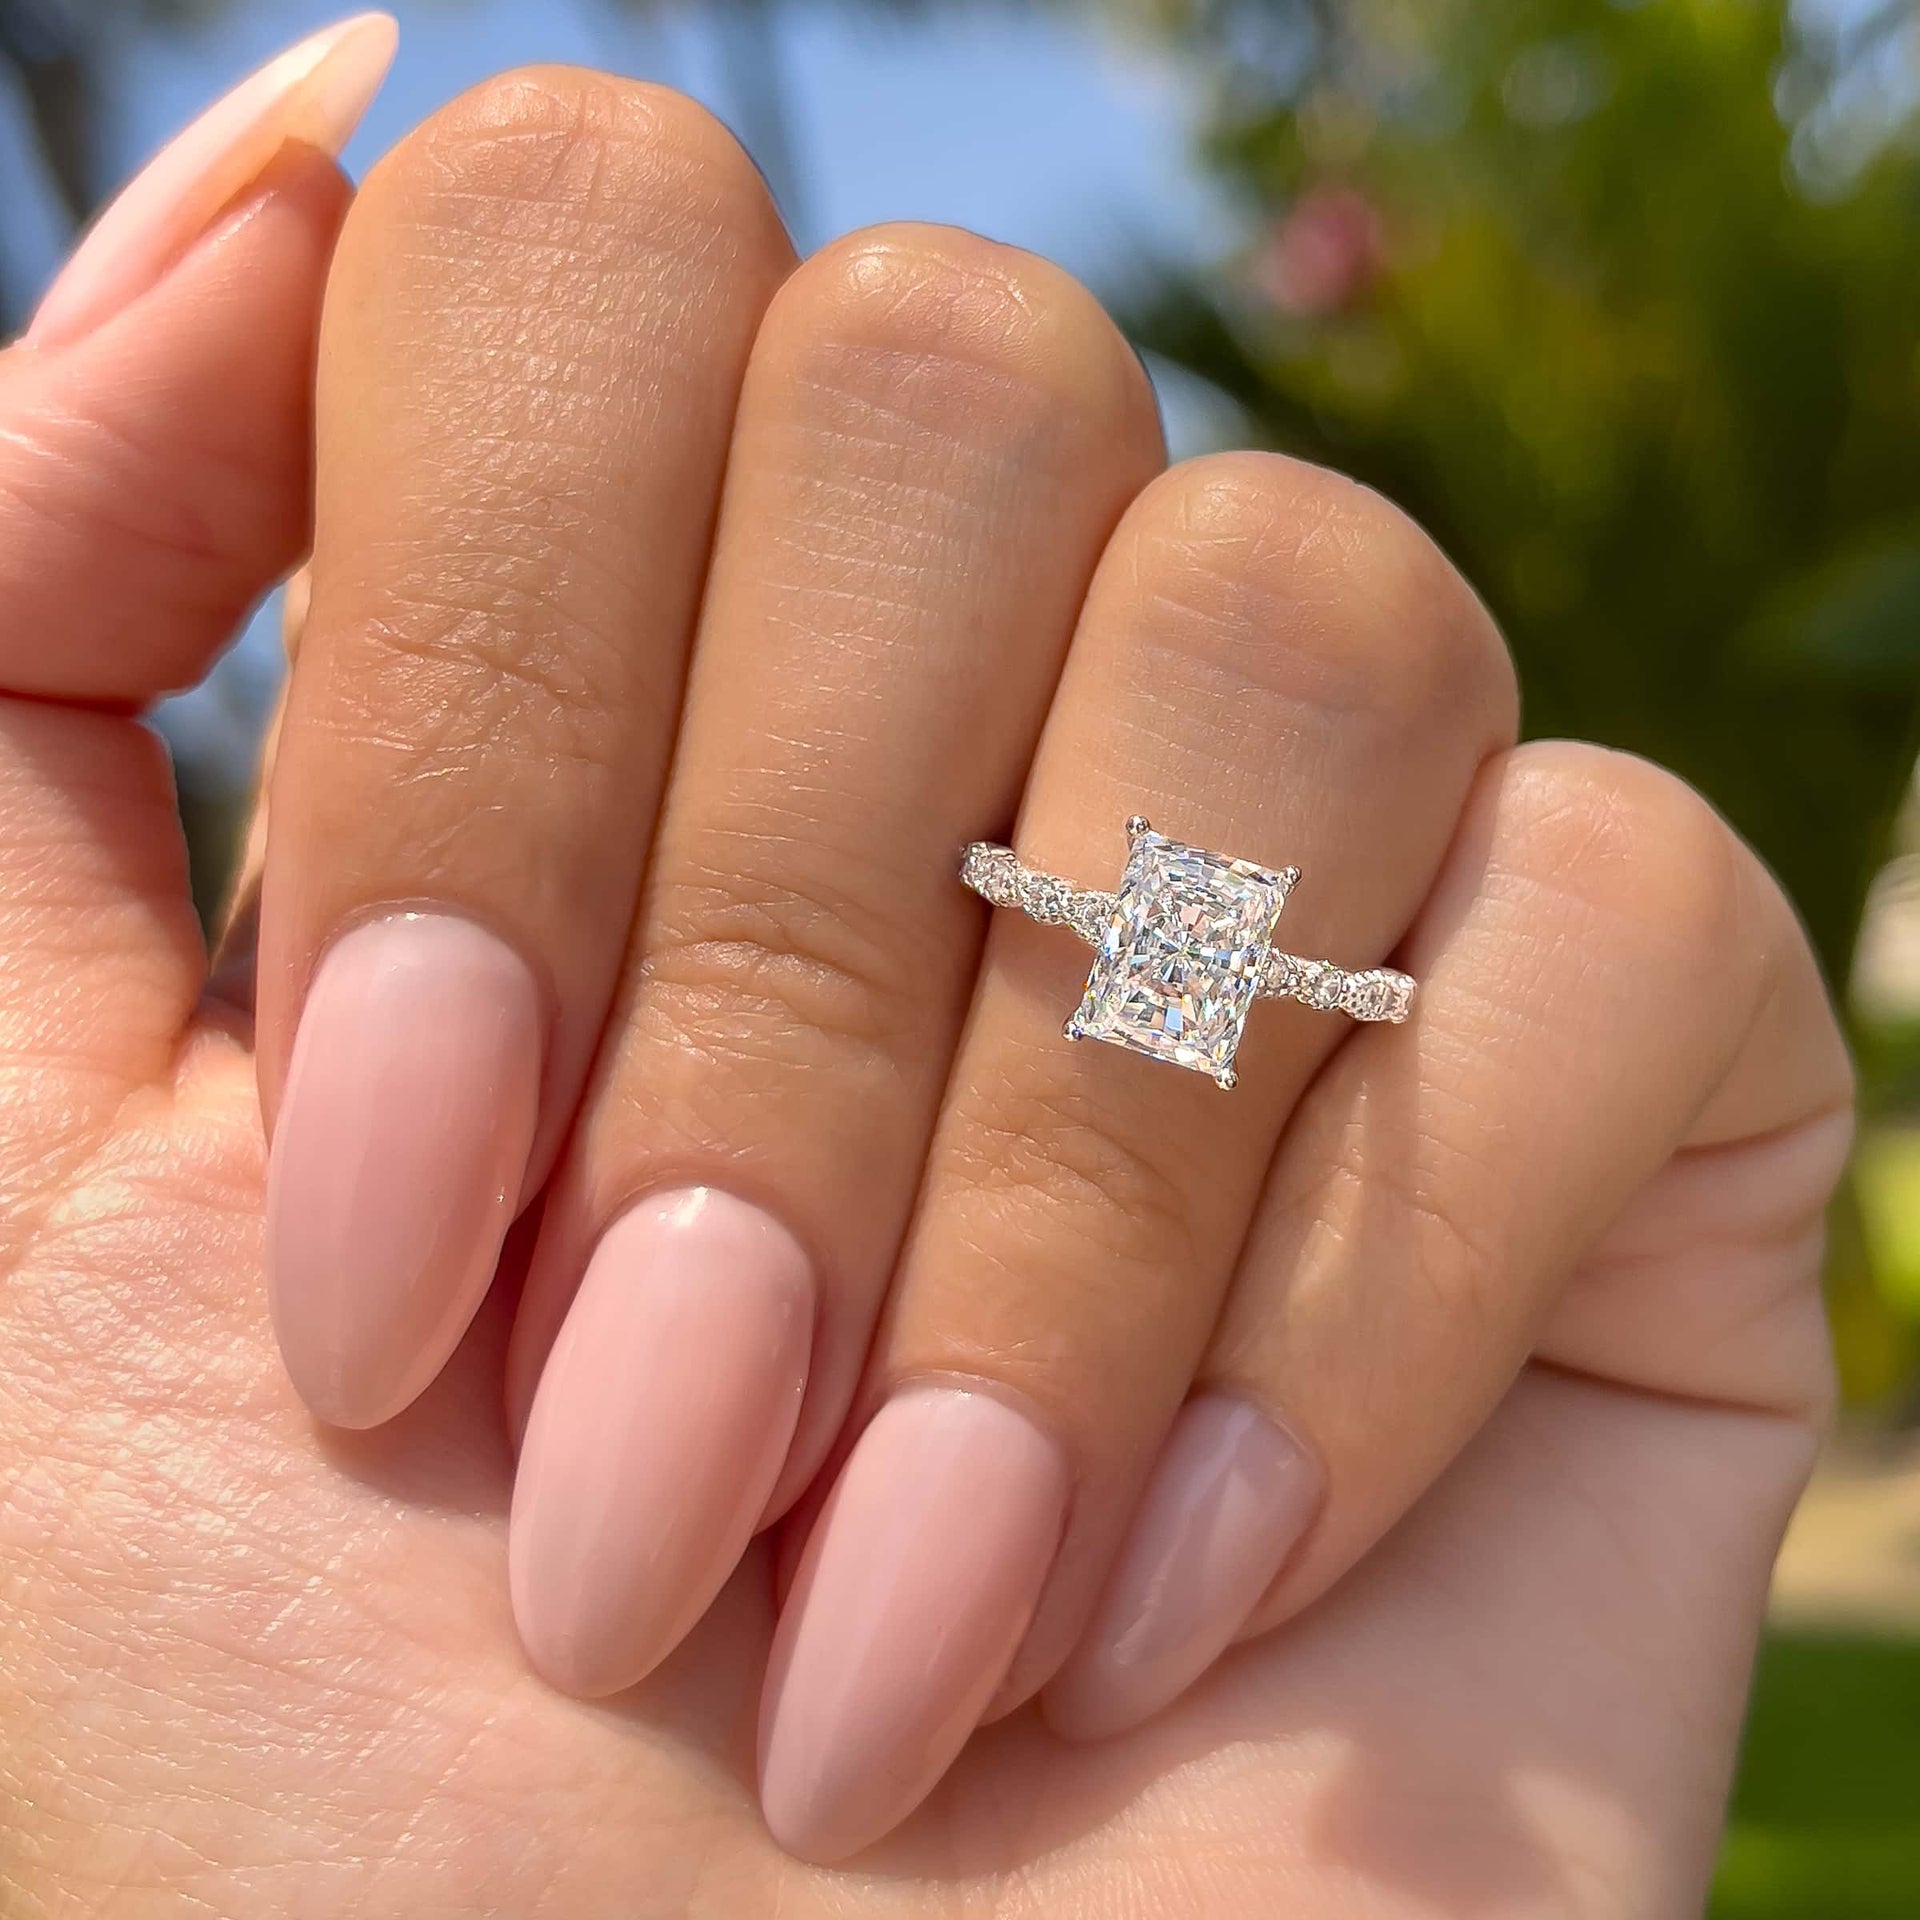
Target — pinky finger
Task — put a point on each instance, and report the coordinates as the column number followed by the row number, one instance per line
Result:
column 1622, row 1040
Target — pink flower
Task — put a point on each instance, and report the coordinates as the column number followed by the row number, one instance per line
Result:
column 1322, row 254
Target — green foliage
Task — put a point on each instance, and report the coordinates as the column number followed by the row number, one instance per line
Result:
column 1595, row 293
column 1823, row 1824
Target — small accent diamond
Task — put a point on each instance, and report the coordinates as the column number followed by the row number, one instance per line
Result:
column 1283, row 974
column 1378, row 995
column 1045, row 898
column 992, row 872
column 1320, row 985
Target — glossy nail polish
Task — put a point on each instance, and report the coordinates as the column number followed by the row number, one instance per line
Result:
column 398, row 1156
column 1227, row 1502
column 659, row 1427
column 915, row 1592
column 316, row 92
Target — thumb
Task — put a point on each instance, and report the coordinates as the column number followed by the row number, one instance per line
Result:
column 154, row 422
column 155, row 442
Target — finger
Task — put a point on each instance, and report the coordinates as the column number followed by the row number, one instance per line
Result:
column 1609, row 980
column 1526, row 1700
column 1279, row 666
column 936, row 436
column 154, row 437
column 154, row 447
column 535, row 336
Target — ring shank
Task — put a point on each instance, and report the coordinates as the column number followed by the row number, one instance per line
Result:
column 1001, row 878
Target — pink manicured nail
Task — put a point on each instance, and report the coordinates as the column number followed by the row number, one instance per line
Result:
column 315, row 92
column 398, row 1157
column 1227, row 1502
column 660, row 1425
column 916, row 1590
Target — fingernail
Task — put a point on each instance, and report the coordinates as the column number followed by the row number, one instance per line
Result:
column 660, row 1425
column 923, row 1573
column 398, row 1157
column 1227, row 1502
column 316, row 92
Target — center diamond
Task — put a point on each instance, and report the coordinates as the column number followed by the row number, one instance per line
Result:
column 1180, row 960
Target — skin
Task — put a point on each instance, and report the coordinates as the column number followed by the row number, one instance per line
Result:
column 1565, row 1396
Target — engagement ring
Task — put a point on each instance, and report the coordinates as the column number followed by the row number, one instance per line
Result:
column 1182, row 950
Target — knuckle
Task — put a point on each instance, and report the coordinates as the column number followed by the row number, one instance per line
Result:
column 1318, row 585
column 1052, row 1149
column 742, row 957
column 1424, row 1196
column 1428, row 1201
column 586, row 148
column 961, row 333
column 508, row 229
column 535, row 268
column 1452, row 1198
column 459, row 674
column 1634, row 843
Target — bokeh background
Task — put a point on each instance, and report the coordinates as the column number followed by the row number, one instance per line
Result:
column 1620, row 297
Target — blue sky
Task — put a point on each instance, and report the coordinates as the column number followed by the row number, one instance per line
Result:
column 1032, row 126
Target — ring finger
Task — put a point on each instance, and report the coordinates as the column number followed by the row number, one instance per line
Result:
column 1273, row 663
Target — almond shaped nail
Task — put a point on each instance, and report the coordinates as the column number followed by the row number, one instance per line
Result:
column 1228, row 1500
column 316, row 92
column 916, row 1590
column 398, row 1157
column 659, row 1427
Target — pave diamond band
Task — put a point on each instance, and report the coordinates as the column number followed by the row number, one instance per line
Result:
column 1182, row 949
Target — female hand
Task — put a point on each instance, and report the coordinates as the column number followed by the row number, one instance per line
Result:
column 676, row 616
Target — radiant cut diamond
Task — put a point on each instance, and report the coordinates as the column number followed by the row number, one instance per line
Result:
column 1182, row 955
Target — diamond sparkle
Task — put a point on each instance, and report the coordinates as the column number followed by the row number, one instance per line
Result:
column 1182, row 956
column 1183, row 949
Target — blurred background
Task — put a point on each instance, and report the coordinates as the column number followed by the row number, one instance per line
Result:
column 1621, row 298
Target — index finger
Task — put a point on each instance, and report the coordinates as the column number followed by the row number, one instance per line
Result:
column 533, row 346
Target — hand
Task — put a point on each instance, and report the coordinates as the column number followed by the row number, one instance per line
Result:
column 1464, row 1370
